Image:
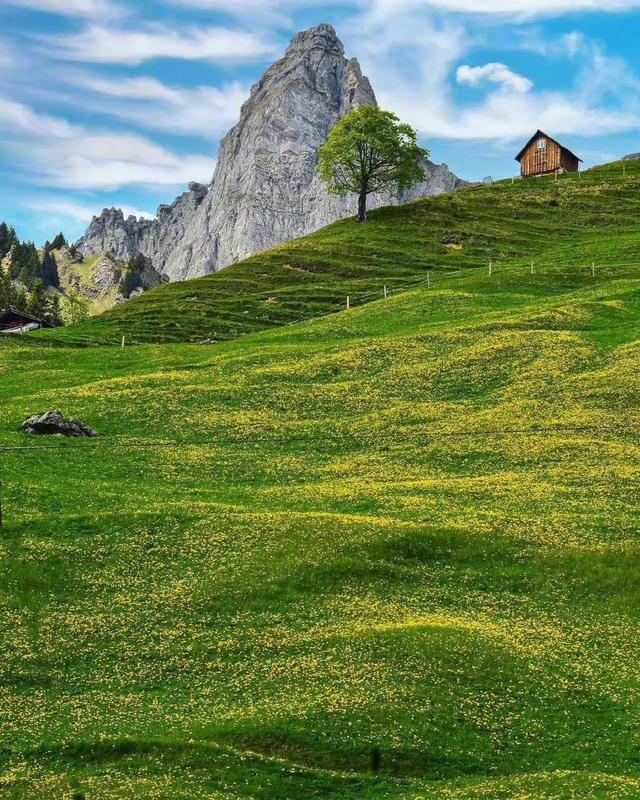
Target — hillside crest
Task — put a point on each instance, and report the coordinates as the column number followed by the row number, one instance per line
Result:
column 265, row 190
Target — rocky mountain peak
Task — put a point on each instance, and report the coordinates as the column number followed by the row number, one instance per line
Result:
column 323, row 37
column 265, row 189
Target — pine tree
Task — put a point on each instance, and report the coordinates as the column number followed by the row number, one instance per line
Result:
column 25, row 262
column 132, row 278
column 8, row 239
column 54, row 310
column 37, row 304
column 7, row 292
column 21, row 300
column 58, row 242
column 49, row 268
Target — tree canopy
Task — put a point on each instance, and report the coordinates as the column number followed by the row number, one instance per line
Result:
column 26, row 263
column 133, row 276
column 370, row 150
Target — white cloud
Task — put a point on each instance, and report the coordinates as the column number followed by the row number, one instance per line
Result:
column 57, row 153
column 109, row 45
column 8, row 59
column 494, row 73
column 412, row 60
column 70, row 8
column 204, row 111
column 60, row 208
column 19, row 117
column 537, row 39
column 275, row 11
column 522, row 8
column 111, row 161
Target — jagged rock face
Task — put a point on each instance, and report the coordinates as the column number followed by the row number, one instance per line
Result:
column 126, row 238
column 265, row 189
column 105, row 275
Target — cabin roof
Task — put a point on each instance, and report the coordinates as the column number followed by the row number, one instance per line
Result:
column 537, row 135
column 13, row 312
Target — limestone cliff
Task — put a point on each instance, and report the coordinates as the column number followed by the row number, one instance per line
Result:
column 265, row 189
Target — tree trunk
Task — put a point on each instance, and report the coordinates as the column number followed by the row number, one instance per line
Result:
column 362, row 207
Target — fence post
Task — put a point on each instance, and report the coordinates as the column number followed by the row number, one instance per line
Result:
column 490, row 267
column 428, row 279
column 123, row 342
column 348, row 302
column 593, row 269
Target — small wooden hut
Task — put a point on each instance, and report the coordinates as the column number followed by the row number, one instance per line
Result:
column 13, row 321
column 543, row 155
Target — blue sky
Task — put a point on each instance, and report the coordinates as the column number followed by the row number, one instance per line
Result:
column 115, row 102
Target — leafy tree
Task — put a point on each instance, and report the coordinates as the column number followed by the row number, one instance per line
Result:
column 37, row 305
column 75, row 309
column 58, row 242
column 368, row 151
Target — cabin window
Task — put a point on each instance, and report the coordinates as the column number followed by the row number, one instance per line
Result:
column 542, row 144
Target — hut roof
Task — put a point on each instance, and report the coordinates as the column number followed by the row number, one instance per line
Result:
column 7, row 313
column 537, row 135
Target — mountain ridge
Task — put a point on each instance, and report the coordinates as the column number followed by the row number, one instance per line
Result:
column 264, row 190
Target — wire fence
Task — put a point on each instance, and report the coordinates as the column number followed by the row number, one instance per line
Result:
column 399, row 435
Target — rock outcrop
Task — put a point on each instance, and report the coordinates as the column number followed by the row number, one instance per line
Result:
column 101, row 285
column 106, row 274
column 156, row 238
column 52, row 423
column 265, row 189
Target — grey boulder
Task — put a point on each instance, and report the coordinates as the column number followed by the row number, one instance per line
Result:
column 52, row 423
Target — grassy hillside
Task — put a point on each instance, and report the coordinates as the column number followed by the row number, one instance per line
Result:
column 574, row 220
column 412, row 526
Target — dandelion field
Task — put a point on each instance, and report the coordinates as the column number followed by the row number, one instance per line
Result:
column 412, row 526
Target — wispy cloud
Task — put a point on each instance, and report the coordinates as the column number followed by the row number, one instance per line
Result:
column 71, row 8
column 520, row 8
column 8, row 57
column 204, row 111
column 24, row 120
column 419, row 87
column 278, row 12
column 55, row 153
column 113, row 45
column 62, row 209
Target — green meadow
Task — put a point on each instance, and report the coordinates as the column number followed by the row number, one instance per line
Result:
column 407, row 532
column 569, row 220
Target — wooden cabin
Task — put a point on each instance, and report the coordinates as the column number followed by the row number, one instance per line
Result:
column 12, row 321
column 542, row 155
